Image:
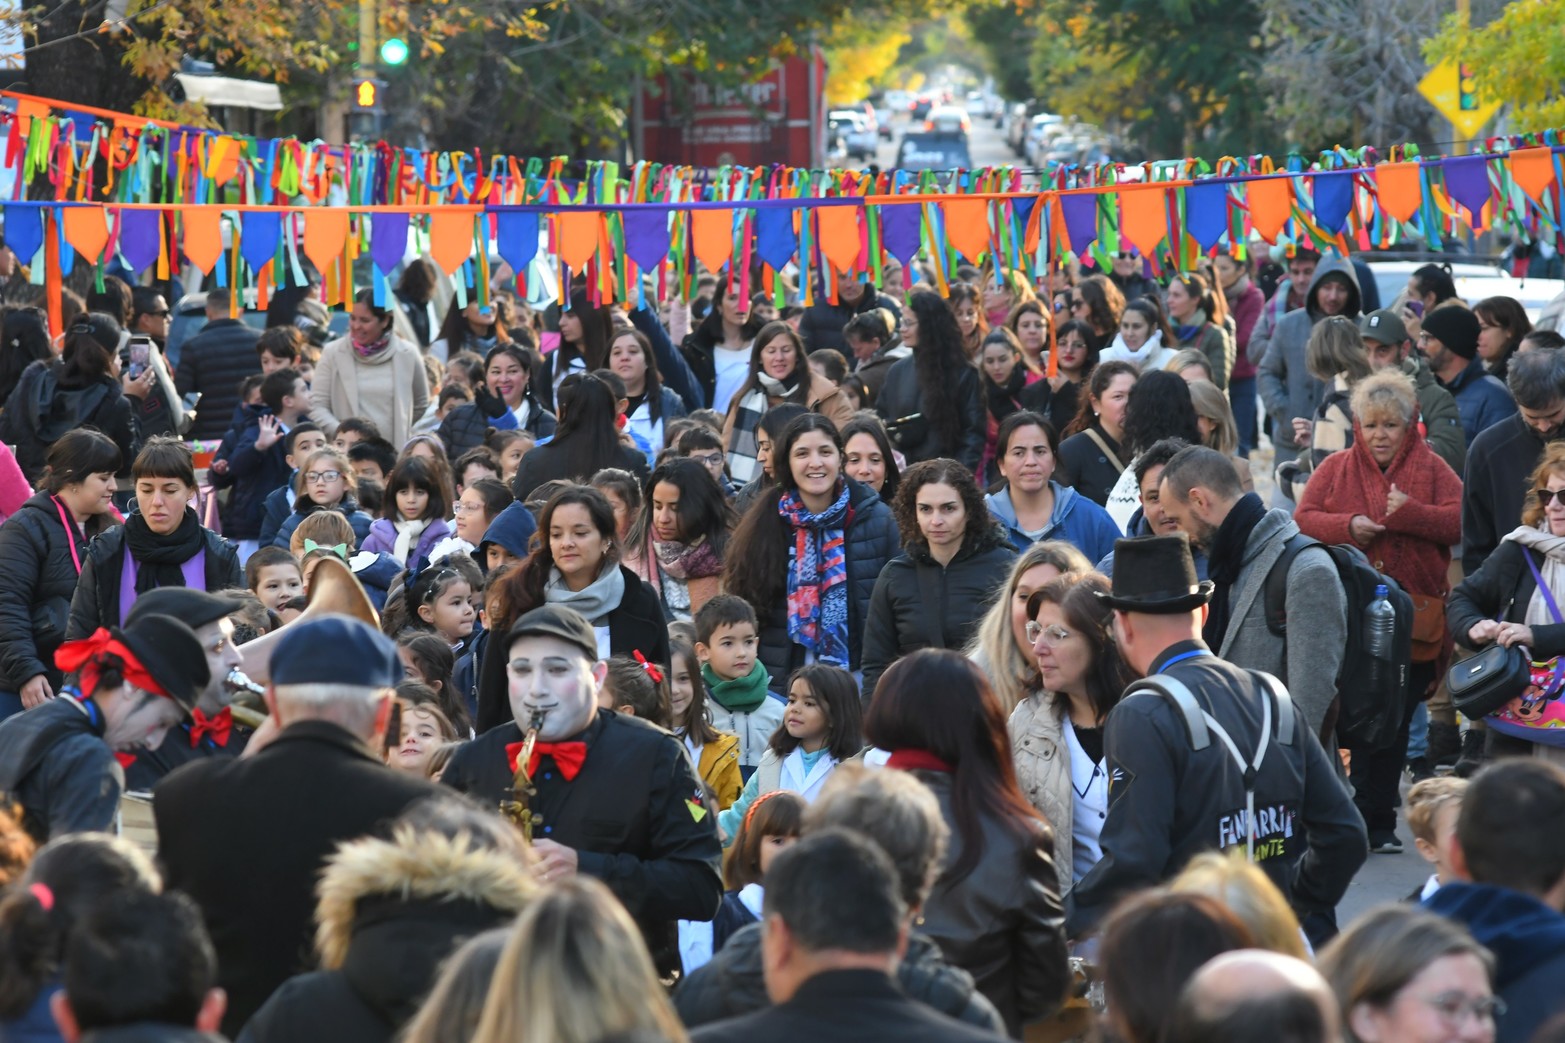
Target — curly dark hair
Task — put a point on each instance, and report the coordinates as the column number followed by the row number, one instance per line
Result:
column 1105, row 304
column 939, row 359
column 1160, row 407
column 937, row 472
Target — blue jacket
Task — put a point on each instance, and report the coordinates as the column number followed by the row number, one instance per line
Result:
column 512, row 528
column 1076, row 519
column 276, row 506
column 1528, row 942
column 1481, row 400
column 375, row 572
column 1139, row 527
column 254, row 474
column 304, row 507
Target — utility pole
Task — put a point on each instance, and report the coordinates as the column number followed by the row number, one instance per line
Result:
column 365, row 103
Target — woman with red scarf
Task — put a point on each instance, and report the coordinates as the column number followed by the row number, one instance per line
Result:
column 995, row 908
column 370, row 373
column 1392, row 497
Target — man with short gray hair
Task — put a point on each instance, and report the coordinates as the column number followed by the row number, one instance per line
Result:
column 247, row 838
column 1503, row 455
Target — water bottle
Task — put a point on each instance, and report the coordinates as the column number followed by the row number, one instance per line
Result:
column 1380, row 626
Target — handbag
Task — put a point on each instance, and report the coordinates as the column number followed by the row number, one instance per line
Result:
column 1428, row 628
column 1486, row 682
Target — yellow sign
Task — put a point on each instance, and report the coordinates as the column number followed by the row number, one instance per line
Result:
column 1451, row 90
column 365, row 94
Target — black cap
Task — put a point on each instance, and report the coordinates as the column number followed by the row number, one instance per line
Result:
column 169, row 651
column 194, row 608
column 334, row 649
column 566, row 624
column 1156, row 575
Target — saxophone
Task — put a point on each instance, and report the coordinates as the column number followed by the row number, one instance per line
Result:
column 515, row 806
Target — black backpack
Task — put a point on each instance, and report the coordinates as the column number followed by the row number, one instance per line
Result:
column 1368, row 714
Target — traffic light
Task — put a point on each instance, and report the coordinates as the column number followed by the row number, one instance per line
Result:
column 394, row 51
column 366, row 95
column 1467, row 88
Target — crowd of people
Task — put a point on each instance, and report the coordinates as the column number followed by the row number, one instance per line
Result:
column 939, row 667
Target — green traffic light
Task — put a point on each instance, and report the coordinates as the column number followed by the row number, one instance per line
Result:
column 394, row 51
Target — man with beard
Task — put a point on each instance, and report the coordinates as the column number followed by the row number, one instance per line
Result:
column 1286, row 386
column 615, row 797
column 1243, row 540
column 210, row 730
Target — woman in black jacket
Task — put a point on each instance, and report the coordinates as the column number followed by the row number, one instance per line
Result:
column 42, row 549
column 587, row 440
column 163, row 544
column 933, row 403
column 954, row 558
column 1091, row 455
column 80, row 389
column 506, row 388
column 995, row 909
column 576, row 565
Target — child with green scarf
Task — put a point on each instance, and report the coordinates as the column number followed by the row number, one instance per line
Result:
column 726, row 643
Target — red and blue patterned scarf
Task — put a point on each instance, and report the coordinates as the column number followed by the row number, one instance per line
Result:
column 818, row 577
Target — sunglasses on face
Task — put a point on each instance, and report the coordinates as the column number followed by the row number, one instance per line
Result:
column 1546, row 497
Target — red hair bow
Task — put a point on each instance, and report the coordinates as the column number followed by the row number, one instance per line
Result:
column 86, row 655
column 652, row 669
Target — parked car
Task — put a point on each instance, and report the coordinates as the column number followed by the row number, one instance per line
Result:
column 857, row 138
column 929, row 151
column 1017, row 122
column 1042, row 129
column 1474, row 282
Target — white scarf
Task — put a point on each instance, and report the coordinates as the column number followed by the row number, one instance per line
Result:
column 773, row 387
column 1553, row 569
column 521, row 412
column 408, row 533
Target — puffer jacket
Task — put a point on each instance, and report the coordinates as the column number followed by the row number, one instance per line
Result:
column 1043, row 771
column 732, row 984
column 213, row 363
column 40, row 410
column 901, row 397
column 97, row 599
column 872, row 540
column 303, row 507
column 37, row 581
column 466, row 426
column 1003, row 922
column 389, row 912
column 918, row 603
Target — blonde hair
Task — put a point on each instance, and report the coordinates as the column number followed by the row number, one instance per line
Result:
column 1249, row 893
column 326, row 529
column 1336, row 346
column 1425, row 800
column 1184, row 358
column 454, row 1004
column 350, row 481
column 1211, row 403
column 576, row 970
column 993, row 647
column 1390, row 389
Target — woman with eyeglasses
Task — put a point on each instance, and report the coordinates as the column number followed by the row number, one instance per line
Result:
column 162, row 544
column 1504, row 602
column 1405, row 975
column 1057, row 730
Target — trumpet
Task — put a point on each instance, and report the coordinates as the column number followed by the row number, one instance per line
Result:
column 517, row 803
column 249, row 699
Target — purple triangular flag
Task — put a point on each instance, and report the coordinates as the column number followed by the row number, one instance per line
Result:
column 516, row 237
column 900, row 230
column 1467, row 181
column 388, row 240
column 139, row 237
column 1081, row 220
column 1333, row 200
column 258, row 234
column 1206, row 213
column 646, row 237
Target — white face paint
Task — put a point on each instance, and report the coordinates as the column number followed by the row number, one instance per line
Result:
column 550, row 676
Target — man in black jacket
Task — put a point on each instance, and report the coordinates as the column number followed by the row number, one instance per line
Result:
column 1175, row 785
column 247, row 838
column 821, row 326
column 213, row 363
column 835, row 928
column 124, row 690
column 616, row 798
column 210, row 730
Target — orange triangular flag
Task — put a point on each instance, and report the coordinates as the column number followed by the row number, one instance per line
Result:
column 1533, row 171
column 203, row 241
column 712, row 237
column 839, row 228
column 26, row 112
column 87, row 229
column 578, row 237
column 1398, row 189
column 1271, row 202
column 450, row 239
column 967, row 226
column 325, row 236
column 1144, row 217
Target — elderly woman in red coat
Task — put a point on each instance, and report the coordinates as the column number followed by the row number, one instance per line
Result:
column 1391, row 496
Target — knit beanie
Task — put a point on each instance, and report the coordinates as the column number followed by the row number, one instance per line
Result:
column 1455, row 327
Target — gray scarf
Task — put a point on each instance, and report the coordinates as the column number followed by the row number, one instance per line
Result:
column 1553, row 569
column 594, row 601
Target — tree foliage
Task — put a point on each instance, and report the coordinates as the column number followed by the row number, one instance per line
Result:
column 1519, row 59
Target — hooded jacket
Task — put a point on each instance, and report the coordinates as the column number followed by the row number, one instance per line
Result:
column 466, row 425
column 1286, row 386
column 37, row 581
column 40, row 410
column 511, row 529
column 1528, row 942
column 389, row 913
column 919, row 603
column 1075, row 518
column 733, row 984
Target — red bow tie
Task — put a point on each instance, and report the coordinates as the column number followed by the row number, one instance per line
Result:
column 217, row 726
column 568, row 757
column 125, row 759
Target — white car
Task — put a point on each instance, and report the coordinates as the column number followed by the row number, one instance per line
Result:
column 947, row 119
column 859, row 139
column 1044, row 127
column 1473, row 282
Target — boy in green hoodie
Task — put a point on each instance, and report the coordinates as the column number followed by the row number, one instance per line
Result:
column 726, row 643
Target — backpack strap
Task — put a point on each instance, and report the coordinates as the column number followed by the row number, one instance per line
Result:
column 1101, row 444
column 1276, row 589
column 1184, row 701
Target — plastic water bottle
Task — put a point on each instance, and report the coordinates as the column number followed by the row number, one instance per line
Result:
column 1380, row 626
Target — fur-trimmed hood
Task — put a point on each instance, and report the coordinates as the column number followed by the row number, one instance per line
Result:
column 369, row 879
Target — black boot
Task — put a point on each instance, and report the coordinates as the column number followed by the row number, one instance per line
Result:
column 1445, row 743
column 1473, row 755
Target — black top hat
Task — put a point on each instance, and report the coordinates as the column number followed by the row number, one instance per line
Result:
column 1156, row 575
